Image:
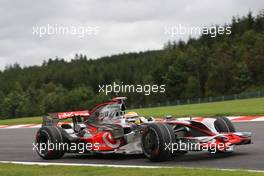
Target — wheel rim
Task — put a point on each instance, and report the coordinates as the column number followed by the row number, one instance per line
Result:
column 150, row 142
column 42, row 141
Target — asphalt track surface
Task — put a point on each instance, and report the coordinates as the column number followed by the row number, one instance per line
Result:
column 16, row 145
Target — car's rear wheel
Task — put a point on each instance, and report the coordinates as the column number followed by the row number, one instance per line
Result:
column 48, row 139
column 224, row 125
column 156, row 141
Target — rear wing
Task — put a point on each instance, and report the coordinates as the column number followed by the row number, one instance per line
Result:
column 66, row 115
column 52, row 119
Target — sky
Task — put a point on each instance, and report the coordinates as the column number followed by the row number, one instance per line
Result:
column 112, row 26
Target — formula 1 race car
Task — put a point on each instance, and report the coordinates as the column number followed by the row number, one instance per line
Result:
column 108, row 129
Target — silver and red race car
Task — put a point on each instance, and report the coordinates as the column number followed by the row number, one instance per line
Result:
column 107, row 128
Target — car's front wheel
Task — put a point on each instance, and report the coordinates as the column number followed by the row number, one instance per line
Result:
column 224, row 125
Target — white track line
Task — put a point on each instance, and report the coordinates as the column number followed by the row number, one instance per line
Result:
column 15, row 126
column 77, row 164
column 34, row 126
column 258, row 119
column 119, row 166
column 233, row 117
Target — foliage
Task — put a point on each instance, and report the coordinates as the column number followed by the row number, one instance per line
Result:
column 206, row 66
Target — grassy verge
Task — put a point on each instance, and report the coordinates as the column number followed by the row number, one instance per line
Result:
column 24, row 120
column 253, row 106
column 24, row 170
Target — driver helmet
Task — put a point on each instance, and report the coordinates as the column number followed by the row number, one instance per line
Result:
column 131, row 117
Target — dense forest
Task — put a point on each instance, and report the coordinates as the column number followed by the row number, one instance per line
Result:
column 206, row 66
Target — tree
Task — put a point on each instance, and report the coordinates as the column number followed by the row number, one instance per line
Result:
column 202, row 66
column 80, row 98
column 54, row 99
column 193, row 88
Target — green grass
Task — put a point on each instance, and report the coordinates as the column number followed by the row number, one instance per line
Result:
column 24, row 170
column 254, row 106
column 24, row 120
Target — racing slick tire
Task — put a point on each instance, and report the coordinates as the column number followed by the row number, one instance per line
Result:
column 224, row 125
column 49, row 135
column 155, row 141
